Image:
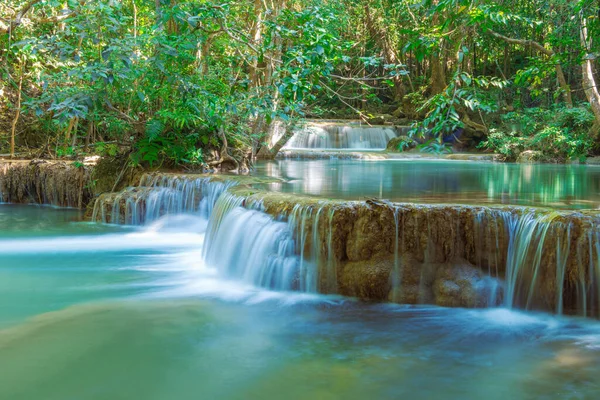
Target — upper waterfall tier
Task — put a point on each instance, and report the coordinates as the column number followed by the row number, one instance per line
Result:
column 328, row 136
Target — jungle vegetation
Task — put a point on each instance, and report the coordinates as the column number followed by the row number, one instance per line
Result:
column 178, row 82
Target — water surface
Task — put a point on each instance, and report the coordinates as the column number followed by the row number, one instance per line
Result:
column 440, row 181
column 92, row 312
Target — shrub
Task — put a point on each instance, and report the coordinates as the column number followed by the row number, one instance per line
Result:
column 560, row 134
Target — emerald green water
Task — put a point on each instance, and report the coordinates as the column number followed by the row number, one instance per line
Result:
column 440, row 181
column 92, row 312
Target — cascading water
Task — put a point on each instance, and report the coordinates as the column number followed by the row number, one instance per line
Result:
column 157, row 196
column 247, row 244
column 448, row 255
column 349, row 137
column 543, row 264
column 251, row 246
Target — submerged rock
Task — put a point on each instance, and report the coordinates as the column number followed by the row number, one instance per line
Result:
column 463, row 285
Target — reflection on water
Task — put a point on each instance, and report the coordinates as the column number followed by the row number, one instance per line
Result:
column 427, row 181
column 137, row 314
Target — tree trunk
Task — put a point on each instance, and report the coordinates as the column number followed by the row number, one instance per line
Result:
column 438, row 76
column 267, row 153
column 256, row 39
column 265, row 147
column 379, row 34
column 589, row 82
column 564, row 86
column 255, row 75
column 224, row 156
column 16, row 119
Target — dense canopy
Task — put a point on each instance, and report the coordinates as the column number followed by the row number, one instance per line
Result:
column 195, row 82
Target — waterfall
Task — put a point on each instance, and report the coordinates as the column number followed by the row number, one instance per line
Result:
column 331, row 136
column 527, row 234
column 552, row 262
column 397, row 271
column 285, row 253
column 159, row 195
column 310, row 225
column 449, row 255
column 251, row 246
column 524, row 258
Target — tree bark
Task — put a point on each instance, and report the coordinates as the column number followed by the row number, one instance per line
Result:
column 269, row 72
column 254, row 74
column 438, row 75
column 267, row 153
column 16, row 119
column 589, row 82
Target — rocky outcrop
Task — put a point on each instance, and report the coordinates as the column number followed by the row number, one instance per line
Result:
column 409, row 253
column 44, row 182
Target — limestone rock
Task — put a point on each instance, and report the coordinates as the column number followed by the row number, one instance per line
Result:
column 462, row 285
column 368, row 279
column 45, row 182
column 382, row 119
column 399, row 113
column 593, row 160
column 530, row 156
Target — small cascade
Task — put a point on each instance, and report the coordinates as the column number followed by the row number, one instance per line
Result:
column 535, row 260
column 40, row 182
column 159, row 195
column 294, row 252
column 313, row 229
column 341, row 137
column 527, row 234
column 251, row 246
column 397, row 271
column 552, row 263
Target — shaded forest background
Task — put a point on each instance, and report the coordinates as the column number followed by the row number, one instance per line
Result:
column 200, row 83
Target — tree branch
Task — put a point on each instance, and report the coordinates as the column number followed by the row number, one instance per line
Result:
column 524, row 42
column 12, row 24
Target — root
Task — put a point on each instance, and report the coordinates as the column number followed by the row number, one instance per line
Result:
column 240, row 164
column 470, row 124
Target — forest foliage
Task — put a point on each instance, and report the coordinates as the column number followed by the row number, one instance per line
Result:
column 195, row 82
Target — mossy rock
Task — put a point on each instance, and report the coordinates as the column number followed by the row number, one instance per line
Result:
column 406, row 142
column 530, row 156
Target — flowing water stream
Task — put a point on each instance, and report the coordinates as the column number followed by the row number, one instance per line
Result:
column 104, row 312
column 196, row 296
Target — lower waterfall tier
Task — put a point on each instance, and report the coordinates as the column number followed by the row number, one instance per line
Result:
column 449, row 255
